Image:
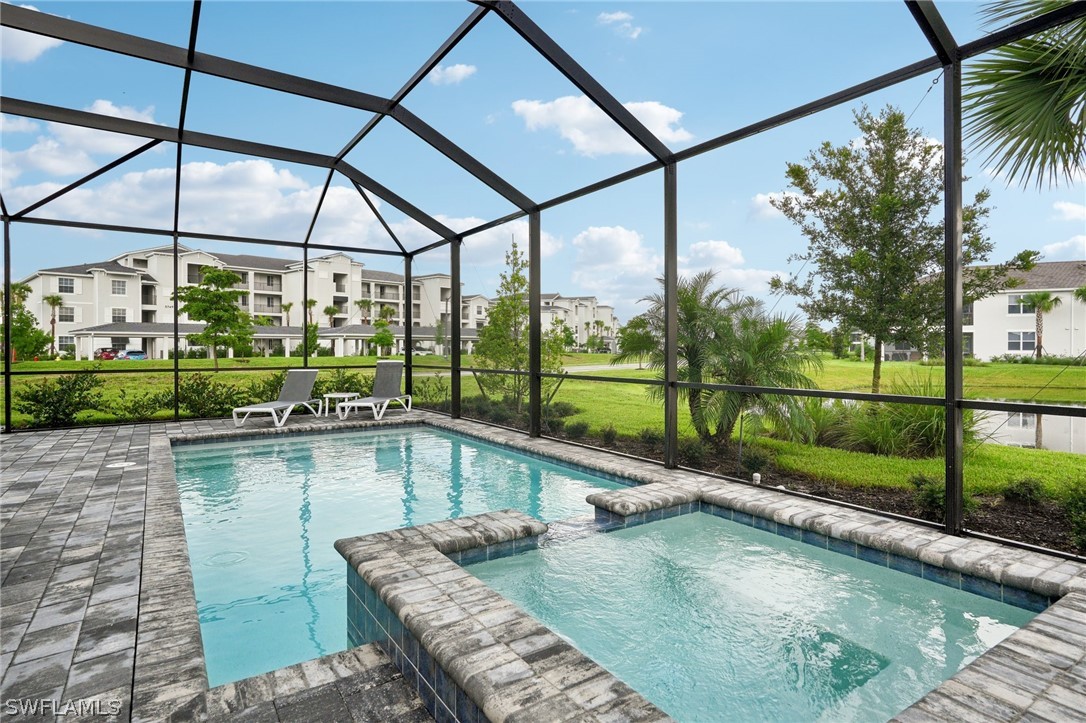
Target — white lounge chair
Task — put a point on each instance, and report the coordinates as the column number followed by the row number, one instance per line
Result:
column 297, row 389
column 386, row 388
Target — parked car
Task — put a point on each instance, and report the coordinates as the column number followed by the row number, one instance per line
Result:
column 105, row 353
column 133, row 354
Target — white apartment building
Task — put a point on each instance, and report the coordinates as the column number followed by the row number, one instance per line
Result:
column 1002, row 324
column 126, row 302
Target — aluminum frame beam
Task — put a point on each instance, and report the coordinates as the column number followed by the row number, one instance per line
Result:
column 524, row 26
column 535, row 322
column 935, row 30
column 952, row 296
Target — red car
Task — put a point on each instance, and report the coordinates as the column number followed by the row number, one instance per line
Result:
column 105, row 353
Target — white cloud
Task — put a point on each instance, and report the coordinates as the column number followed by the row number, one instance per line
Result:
column 592, row 133
column 452, row 74
column 1073, row 249
column 23, row 47
column 64, row 151
column 1067, row 211
column 482, row 249
column 15, row 124
column 622, row 23
column 761, row 205
column 726, row 261
column 614, row 264
column 715, row 253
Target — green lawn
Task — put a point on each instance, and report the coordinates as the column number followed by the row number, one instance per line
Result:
column 628, row 407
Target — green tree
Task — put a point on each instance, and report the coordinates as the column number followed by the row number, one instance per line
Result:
column 635, row 341
column 330, row 311
column 27, row 338
column 287, row 306
column 1080, row 294
column 503, row 342
column 387, row 312
column 1043, row 302
column 54, row 301
column 383, row 339
column 726, row 338
column 566, row 334
column 263, row 321
column 1024, row 101
column 363, row 309
column 875, row 241
column 214, row 301
column 439, row 335
column 310, row 305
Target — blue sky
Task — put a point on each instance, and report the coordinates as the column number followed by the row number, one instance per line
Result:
column 689, row 71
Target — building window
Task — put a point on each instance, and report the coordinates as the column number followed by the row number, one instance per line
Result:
column 65, row 285
column 119, row 288
column 967, row 314
column 120, row 315
column 139, row 263
column 478, row 311
column 194, row 273
column 1021, row 340
column 1022, row 420
column 1015, row 305
column 118, row 342
column 66, row 343
column 66, row 314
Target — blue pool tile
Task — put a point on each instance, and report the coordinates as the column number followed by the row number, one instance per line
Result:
column 454, row 556
column 669, row 512
column 411, row 648
column 472, row 556
column 743, row 518
column 500, row 550
column 951, row 578
column 1024, row 599
column 444, row 715
column 904, row 564
column 654, row 515
column 426, row 666
column 842, row 546
column 980, row 586
column 762, row 523
column 445, row 686
column 526, row 543
column 815, row 538
column 429, row 698
column 870, row 554
column 792, row 533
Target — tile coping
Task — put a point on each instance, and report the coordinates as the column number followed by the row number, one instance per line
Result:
column 167, row 618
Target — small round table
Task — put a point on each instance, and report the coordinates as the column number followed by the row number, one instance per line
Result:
column 343, row 396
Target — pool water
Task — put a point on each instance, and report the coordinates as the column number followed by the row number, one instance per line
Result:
column 261, row 518
column 713, row 620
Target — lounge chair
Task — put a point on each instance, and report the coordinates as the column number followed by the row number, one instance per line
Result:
column 297, row 389
column 386, row 388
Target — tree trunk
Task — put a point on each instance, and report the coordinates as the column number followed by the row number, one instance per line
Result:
column 693, row 400
column 215, row 356
column 53, row 343
column 1040, row 332
column 1038, row 434
column 876, row 372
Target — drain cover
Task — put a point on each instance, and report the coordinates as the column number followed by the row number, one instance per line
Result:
column 118, row 465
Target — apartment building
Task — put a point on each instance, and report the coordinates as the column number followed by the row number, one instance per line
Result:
column 127, row 302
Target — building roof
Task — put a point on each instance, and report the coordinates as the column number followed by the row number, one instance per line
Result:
column 250, row 261
column 139, row 328
column 1052, row 275
column 109, row 266
column 375, row 275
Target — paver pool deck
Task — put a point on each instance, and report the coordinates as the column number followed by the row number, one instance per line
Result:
column 97, row 607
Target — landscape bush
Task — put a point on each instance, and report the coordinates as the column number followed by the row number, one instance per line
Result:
column 930, row 496
column 608, row 434
column 1074, row 504
column 203, row 396
column 576, row 430
column 1026, row 491
column 137, row 407
column 650, row 435
column 692, row 451
column 56, row 402
column 1058, row 361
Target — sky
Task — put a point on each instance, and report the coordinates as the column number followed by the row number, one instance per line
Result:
column 688, row 71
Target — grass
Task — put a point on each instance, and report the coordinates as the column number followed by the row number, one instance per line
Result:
column 989, row 468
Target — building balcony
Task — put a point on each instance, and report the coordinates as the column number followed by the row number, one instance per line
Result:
column 148, row 300
column 341, row 288
column 387, row 297
column 264, row 286
column 267, row 308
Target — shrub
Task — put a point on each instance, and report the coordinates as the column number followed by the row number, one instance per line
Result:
column 1026, row 491
column 560, row 409
column 500, row 414
column 576, row 430
column 827, row 421
column 278, row 349
column 755, row 460
column 1074, row 505
column 325, row 351
column 55, row 403
column 265, row 388
column 433, row 391
column 203, row 396
column 136, row 407
column 342, row 380
column 651, row 436
column 692, row 451
column 1060, row 361
column 930, row 496
column 903, row 430
column 608, row 434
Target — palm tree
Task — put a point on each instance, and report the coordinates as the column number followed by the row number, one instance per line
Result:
column 287, row 306
column 1043, row 302
column 330, row 311
column 19, row 293
column 310, row 304
column 1080, row 294
column 364, row 309
column 387, row 312
column 1024, row 101
column 54, row 301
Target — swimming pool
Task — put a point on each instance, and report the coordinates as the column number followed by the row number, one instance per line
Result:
column 261, row 517
column 710, row 619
